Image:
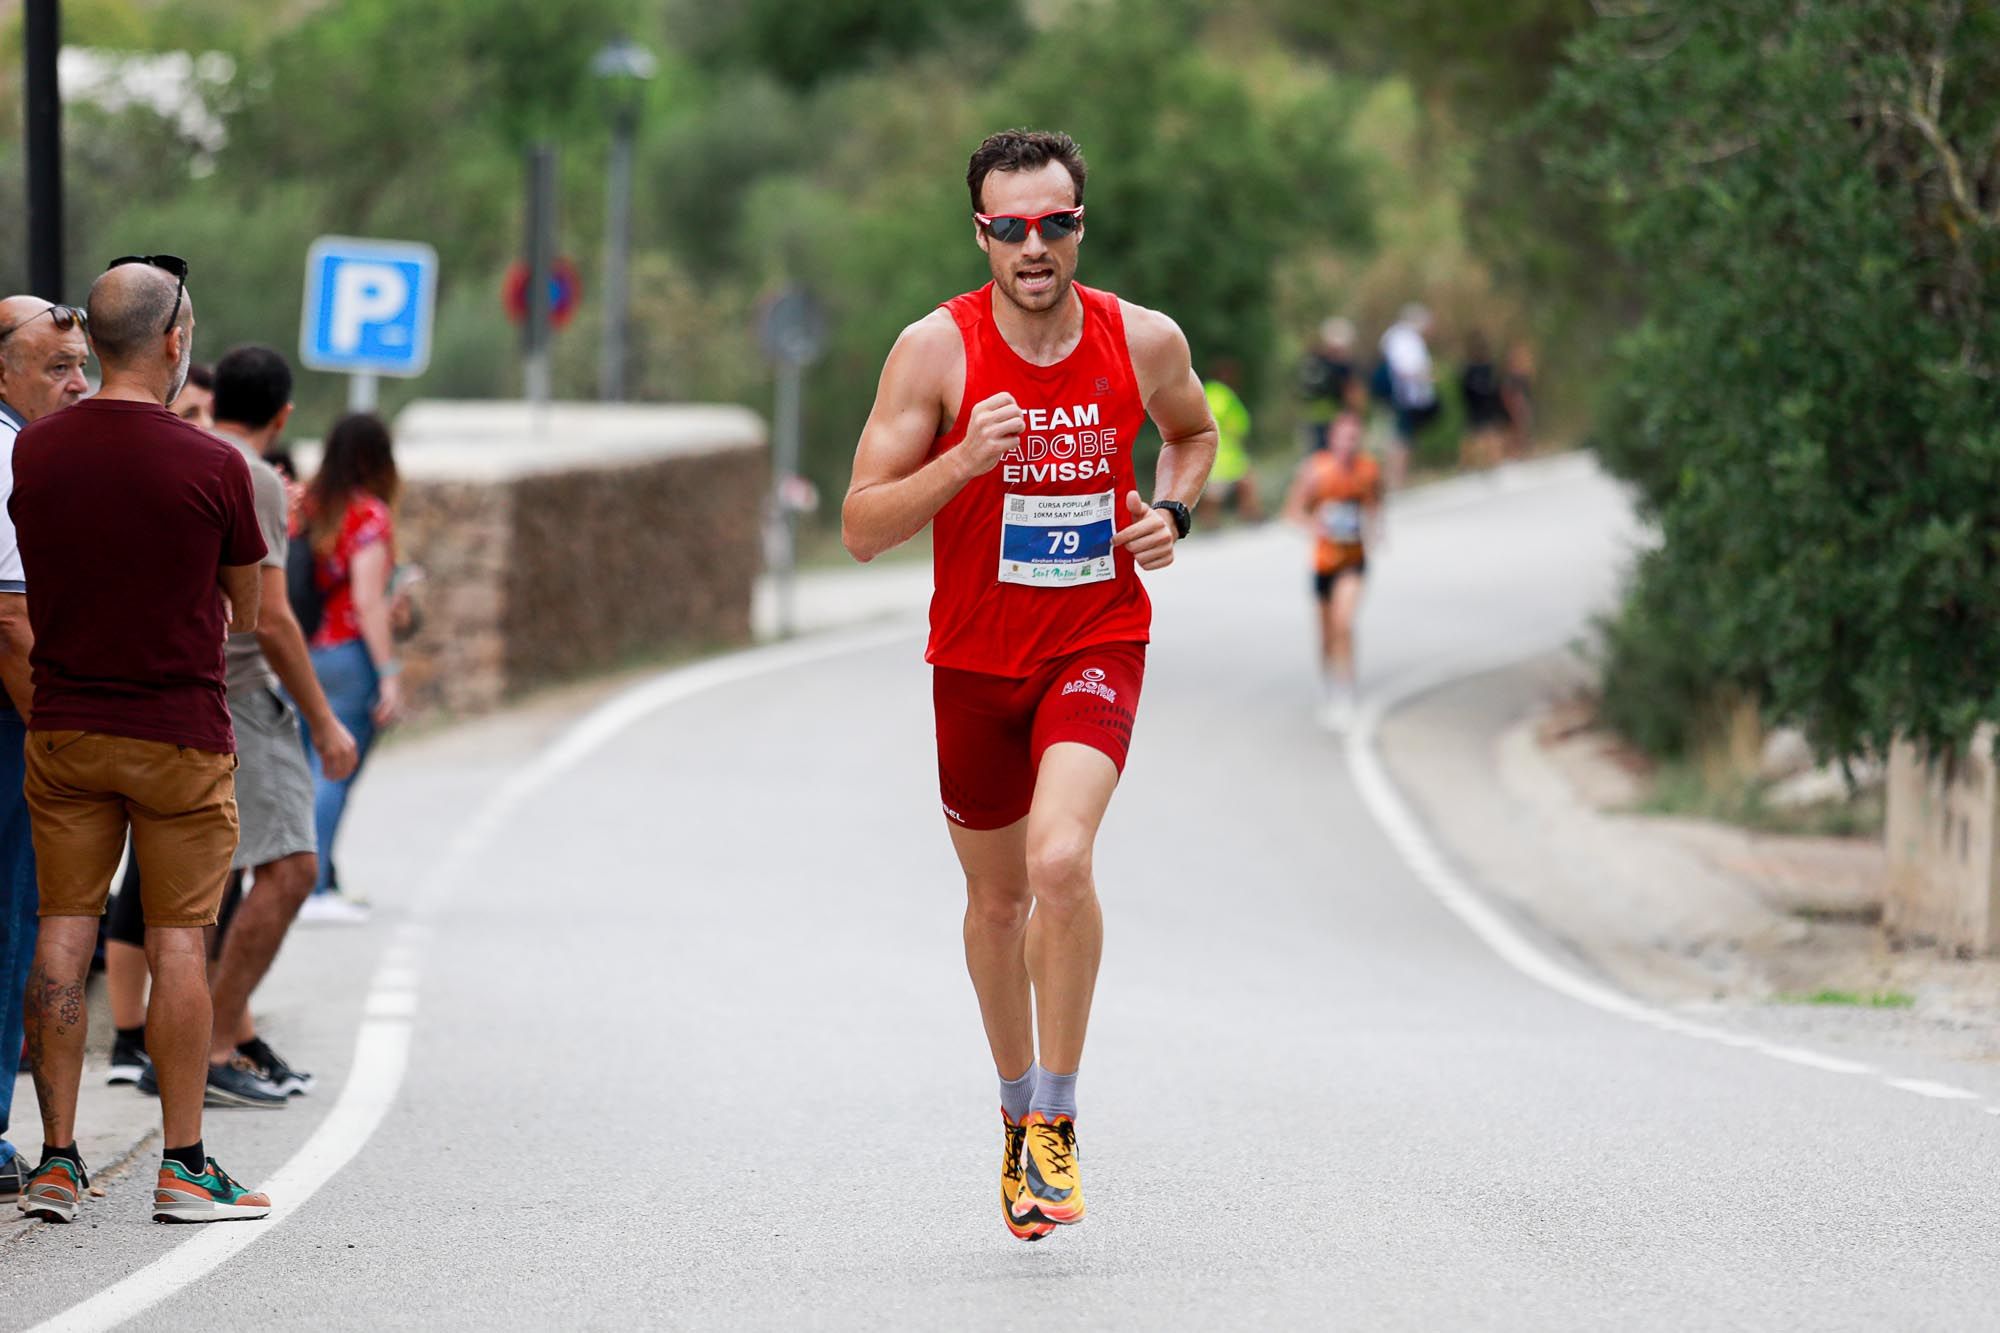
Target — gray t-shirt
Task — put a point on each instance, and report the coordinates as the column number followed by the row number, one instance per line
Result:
column 243, row 660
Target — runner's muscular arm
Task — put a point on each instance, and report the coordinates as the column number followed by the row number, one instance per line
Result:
column 894, row 491
column 1297, row 503
column 1179, row 409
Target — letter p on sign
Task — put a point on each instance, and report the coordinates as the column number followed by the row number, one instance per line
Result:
column 368, row 306
column 365, row 294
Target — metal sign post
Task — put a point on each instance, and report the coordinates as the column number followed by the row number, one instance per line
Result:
column 794, row 335
column 42, row 41
column 535, row 368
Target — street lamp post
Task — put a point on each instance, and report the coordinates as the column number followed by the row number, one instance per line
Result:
column 624, row 65
column 42, row 42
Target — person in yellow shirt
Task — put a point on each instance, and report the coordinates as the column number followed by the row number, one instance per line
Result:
column 1231, row 481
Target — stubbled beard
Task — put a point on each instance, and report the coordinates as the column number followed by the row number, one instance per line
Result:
column 1056, row 295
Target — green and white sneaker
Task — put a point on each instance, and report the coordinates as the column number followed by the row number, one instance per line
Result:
column 212, row 1196
column 55, row 1191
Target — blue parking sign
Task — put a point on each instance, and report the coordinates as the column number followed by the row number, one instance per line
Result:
column 368, row 306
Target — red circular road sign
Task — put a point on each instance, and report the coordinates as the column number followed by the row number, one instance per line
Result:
column 565, row 289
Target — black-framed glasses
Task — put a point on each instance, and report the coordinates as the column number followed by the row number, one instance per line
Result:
column 173, row 264
column 64, row 317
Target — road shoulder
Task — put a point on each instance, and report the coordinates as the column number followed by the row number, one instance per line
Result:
column 1683, row 913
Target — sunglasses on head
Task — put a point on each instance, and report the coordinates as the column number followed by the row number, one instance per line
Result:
column 173, row 264
column 64, row 317
column 1012, row 229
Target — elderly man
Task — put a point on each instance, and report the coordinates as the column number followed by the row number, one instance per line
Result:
column 131, row 731
column 42, row 354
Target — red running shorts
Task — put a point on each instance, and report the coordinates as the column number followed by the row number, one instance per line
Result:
column 992, row 730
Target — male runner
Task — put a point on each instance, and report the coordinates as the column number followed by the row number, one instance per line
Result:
column 1008, row 416
column 1337, row 496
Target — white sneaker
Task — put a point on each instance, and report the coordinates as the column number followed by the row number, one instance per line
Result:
column 332, row 909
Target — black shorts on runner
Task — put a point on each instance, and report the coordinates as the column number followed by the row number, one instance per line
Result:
column 1323, row 583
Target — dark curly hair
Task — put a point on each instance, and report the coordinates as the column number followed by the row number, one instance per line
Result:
column 1022, row 150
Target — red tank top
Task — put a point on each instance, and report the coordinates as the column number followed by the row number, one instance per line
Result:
column 1023, row 563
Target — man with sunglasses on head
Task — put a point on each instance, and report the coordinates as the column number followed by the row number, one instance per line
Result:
column 42, row 356
column 1006, row 420
column 139, row 538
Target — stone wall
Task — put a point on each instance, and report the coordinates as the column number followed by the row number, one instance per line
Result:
column 574, row 540
column 1944, row 873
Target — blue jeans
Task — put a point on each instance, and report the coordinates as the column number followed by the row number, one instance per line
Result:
column 19, row 901
column 352, row 687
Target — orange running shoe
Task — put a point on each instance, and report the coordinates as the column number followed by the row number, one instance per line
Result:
column 1052, row 1184
column 1012, row 1177
column 183, row 1196
column 55, row 1191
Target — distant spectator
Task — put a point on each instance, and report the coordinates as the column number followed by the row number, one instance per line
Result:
column 1518, row 391
column 196, row 402
column 1231, row 482
column 1405, row 381
column 1328, row 385
column 1485, row 408
column 140, row 546
column 350, row 524
column 42, row 355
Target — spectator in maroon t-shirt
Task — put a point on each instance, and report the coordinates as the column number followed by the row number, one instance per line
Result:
column 138, row 532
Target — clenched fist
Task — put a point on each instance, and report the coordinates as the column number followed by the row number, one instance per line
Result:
column 992, row 430
column 1151, row 535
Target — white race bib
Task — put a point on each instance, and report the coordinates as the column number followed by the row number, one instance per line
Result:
column 1057, row 541
column 1340, row 521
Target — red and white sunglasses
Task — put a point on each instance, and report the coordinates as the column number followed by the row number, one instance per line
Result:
column 1012, row 228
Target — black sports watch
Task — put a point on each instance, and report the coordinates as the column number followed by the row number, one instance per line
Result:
column 1183, row 516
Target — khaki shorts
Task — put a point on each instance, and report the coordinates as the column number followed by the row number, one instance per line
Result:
column 85, row 788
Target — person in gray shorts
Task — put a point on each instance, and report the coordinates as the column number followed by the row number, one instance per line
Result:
column 274, row 788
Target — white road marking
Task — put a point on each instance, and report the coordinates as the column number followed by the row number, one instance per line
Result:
column 1414, row 844
column 382, row 1046
column 390, row 1004
column 1924, row 1087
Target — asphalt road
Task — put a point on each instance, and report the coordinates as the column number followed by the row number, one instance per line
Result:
column 690, row 1044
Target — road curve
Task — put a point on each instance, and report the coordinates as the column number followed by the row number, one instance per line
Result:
column 690, row 1043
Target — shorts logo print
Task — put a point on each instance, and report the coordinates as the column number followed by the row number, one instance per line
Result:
column 1091, row 681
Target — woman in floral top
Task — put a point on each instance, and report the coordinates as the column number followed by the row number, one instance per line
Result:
column 349, row 520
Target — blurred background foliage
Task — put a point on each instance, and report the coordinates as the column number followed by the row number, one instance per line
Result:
column 1751, row 243
column 1256, row 167
column 1809, row 408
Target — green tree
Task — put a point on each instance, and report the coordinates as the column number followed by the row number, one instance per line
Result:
column 1811, row 406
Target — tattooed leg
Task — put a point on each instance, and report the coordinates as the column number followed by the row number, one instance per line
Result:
column 56, row 1019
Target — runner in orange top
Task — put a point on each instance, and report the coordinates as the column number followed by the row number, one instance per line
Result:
column 1337, row 496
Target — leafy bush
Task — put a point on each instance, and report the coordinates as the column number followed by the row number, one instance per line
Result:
column 1810, row 408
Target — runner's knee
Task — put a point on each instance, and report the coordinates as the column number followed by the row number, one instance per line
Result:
column 1059, row 868
column 999, row 906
